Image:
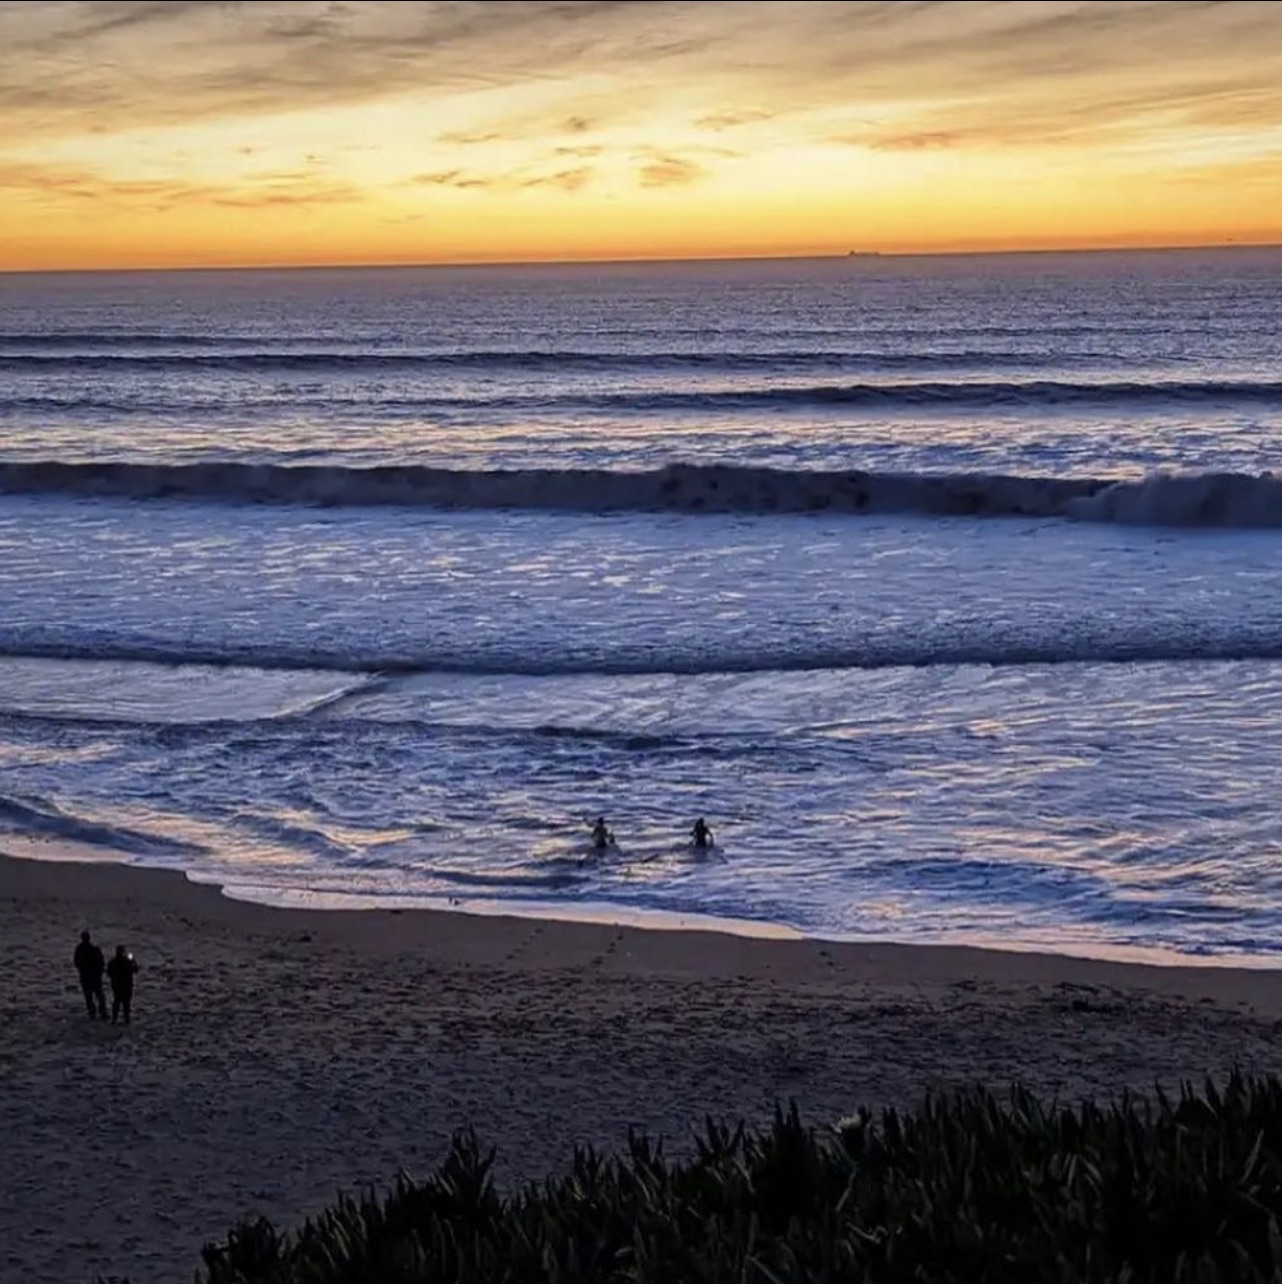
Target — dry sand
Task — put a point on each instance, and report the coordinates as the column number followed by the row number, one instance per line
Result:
column 279, row 1055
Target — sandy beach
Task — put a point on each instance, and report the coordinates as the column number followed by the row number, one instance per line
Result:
column 277, row 1056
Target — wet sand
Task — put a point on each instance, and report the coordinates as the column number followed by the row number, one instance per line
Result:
column 277, row 1056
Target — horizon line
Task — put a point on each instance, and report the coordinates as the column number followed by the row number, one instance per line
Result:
column 830, row 256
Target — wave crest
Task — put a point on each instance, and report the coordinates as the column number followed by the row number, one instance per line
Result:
column 1202, row 499
column 1137, row 645
column 904, row 395
column 188, row 355
column 42, row 816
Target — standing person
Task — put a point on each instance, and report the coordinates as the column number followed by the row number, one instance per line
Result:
column 121, row 971
column 89, row 963
column 701, row 835
column 601, row 835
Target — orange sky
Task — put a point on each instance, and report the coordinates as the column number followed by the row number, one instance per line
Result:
column 165, row 133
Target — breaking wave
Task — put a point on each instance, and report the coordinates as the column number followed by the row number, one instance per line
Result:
column 190, row 356
column 1196, row 499
column 979, row 394
column 42, row 816
column 884, row 396
column 1132, row 644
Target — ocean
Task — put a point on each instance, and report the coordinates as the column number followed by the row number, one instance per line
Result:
column 948, row 589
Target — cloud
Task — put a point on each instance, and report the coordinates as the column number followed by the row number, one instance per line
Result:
column 469, row 138
column 670, row 171
column 438, row 178
column 906, row 75
column 159, row 63
column 889, row 141
column 732, row 118
column 32, row 179
column 268, row 196
column 565, row 180
column 137, row 65
column 451, row 178
column 61, row 184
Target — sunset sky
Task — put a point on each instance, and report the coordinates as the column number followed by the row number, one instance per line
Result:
column 162, row 134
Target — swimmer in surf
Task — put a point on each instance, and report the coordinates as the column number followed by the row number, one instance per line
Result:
column 601, row 835
column 701, row 835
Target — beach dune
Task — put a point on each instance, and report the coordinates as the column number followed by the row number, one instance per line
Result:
column 277, row 1056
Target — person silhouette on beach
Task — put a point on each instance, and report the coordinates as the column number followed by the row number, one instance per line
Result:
column 120, row 971
column 701, row 835
column 89, row 963
column 601, row 835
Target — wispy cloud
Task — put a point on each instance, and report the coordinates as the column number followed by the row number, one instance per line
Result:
column 469, row 138
column 61, row 183
column 566, row 180
column 670, row 171
column 892, row 141
column 732, row 118
column 458, row 178
column 156, row 63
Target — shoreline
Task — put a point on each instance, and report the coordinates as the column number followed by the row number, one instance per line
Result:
column 606, row 914
column 278, row 1056
column 41, row 849
column 460, row 935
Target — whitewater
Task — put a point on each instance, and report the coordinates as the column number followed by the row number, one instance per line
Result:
column 947, row 589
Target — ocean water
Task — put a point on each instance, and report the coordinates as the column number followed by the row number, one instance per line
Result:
column 948, row 589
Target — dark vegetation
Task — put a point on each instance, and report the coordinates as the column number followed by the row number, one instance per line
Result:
column 970, row 1187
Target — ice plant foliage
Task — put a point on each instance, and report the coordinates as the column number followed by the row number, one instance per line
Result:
column 970, row 1186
